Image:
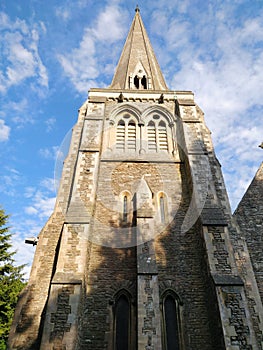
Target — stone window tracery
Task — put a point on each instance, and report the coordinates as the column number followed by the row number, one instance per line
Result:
column 140, row 134
column 126, row 134
column 157, row 135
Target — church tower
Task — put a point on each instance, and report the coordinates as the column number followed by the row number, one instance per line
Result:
column 141, row 251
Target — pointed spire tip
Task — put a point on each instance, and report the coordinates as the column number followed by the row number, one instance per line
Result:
column 137, row 9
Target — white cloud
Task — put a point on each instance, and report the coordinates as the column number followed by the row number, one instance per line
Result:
column 48, row 184
column 84, row 64
column 24, row 253
column 21, row 113
column 50, row 122
column 9, row 179
column 20, row 57
column 63, row 13
column 4, row 131
column 49, row 153
column 112, row 17
column 219, row 56
column 42, row 205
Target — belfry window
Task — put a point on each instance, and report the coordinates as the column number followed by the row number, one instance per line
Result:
column 136, row 82
column 157, row 135
column 144, row 82
column 131, row 136
column 122, row 323
column 120, row 136
column 151, row 134
column 140, row 79
column 126, row 134
column 171, row 322
column 162, row 133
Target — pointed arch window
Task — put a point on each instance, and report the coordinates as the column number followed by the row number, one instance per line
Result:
column 120, row 136
column 157, row 134
column 125, row 210
column 162, row 206
column 122, row 323
column 144, row 82
column 131, row 136
column 171, row 321
column 136, row 82
column 126, row 134
column 151, row 134
column 162, row 133
column 162, row 210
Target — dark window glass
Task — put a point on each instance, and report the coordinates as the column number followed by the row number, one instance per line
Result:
column 122, row 323
column 136, row 82
column 144, row 82
column 171, row 324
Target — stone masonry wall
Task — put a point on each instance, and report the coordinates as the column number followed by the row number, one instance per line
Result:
column 249, row 215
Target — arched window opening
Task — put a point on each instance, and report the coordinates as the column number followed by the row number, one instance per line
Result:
column 131, row 136
column 122, row 323
column 171, row 324
column 171, row 334
column 163, row 142
column 120, row 136
column 136, row 82
column 125, row 210
column 162, row 209
column 151, row 133
column 144, row 82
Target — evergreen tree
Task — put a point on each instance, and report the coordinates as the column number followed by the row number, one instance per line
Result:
column 11, row 280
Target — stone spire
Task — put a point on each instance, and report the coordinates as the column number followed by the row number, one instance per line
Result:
column 138, row 67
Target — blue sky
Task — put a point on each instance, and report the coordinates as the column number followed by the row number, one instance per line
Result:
column 53, row 52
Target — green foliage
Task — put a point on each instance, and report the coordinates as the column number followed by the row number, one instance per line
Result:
column 11, row 280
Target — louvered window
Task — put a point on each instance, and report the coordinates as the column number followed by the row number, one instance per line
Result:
column 151, row 134
column 162, row 133
column 131, row 136
column 120, row 137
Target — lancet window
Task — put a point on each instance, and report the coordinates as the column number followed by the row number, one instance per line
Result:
column 151, row 134
column 157, row 135
column 126, row 134
column 171, row 321
column 120, row 137
column 162, row 207
column 123, row 322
